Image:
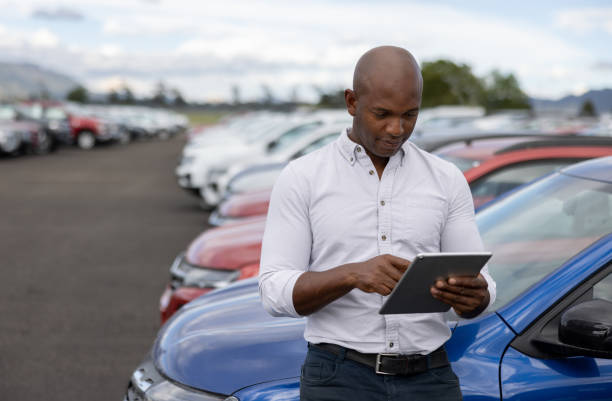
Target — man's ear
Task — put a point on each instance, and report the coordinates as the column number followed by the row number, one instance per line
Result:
column 351, row 101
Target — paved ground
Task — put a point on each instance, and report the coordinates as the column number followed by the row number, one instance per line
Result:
column 86, row 240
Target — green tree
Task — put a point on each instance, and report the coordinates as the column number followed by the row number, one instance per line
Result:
column 127, row 96
column 179, row 100
column 447, row 83
column 503, row 92
column 78, row 94
column 112, row 97
column 587, row 109
column 330, row 99
column 267, row 95
column 160, row 96
column 236, row 94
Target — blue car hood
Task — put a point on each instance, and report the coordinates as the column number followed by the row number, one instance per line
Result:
column 226, row 341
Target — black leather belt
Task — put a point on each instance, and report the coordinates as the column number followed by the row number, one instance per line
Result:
column 392, row 364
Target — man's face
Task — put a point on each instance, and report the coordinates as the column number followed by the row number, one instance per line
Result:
column 385, row 115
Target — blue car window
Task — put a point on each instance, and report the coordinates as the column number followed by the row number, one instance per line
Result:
column 540, row 228
column 500, row 181
column 603, row 289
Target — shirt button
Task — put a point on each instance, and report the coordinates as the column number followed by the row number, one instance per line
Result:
column 351, row 159
column 358, row 149
column 391, row 345
column 382, row 203
column 383, row 237
column 371, row 172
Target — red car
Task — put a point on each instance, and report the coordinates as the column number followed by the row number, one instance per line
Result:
column 232, row 252
column 83, row 130
column 515, row 164
column 214, row 259
column 492, row 166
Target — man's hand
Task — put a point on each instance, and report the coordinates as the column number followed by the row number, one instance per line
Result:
column 467, row 295
column 379, row 274
column 314, row 290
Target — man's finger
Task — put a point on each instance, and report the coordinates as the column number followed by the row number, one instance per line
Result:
column 455, row 289
column 456, row 299
column 398, row 262
column 467, row 281
column 393, row 272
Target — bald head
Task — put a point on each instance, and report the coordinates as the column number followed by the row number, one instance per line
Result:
column 386, row 66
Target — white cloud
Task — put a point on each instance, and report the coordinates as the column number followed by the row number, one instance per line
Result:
column 110, row 50
column 206, row 46
column 43, row 38
column 586, row 20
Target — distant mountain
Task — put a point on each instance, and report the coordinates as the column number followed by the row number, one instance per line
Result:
column 601, row 99
column 22, row 80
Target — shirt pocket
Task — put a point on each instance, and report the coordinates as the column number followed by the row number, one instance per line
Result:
column 420, row 223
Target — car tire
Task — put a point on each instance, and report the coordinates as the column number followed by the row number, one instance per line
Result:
column 124, row 137
column 164, row 135
column 45, row 143
column 11, row 144
column 86, row 140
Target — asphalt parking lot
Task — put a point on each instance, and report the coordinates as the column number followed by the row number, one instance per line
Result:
column 86, row 242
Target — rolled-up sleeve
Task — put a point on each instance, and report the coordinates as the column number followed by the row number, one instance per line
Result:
column 461, row 233
column 286, row 245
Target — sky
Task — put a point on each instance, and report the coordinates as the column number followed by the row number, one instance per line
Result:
column 205, row 48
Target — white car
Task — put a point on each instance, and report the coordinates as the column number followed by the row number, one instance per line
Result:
column 202, row 164
column 221, row 145
column 282, row 152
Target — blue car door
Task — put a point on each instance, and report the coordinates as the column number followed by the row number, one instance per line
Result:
column 534, row 367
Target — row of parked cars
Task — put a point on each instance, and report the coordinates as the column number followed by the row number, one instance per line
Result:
column 40, row 127
column 544, row 208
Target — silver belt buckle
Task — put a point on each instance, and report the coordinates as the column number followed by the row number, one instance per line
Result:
column 377, row 368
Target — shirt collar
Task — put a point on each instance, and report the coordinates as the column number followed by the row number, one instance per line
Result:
column 352, row 151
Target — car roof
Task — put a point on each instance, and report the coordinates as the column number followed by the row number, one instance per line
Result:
column 438, row 142
column 596, row 169
column 480, row 149
column 558, row 141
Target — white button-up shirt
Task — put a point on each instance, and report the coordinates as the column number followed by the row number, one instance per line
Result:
column 330, row 208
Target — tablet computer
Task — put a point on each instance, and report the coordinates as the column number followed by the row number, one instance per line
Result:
column 412, row 292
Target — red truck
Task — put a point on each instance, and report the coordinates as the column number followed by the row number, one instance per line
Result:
column 76, row 126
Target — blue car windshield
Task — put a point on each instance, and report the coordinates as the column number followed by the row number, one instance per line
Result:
column 537, row 229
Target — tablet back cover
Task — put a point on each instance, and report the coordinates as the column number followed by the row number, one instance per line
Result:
column 412, row 294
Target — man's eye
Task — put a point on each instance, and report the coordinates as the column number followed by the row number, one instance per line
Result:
column 380, row 114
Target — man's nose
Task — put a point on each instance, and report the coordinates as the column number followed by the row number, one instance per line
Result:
column 395, row 127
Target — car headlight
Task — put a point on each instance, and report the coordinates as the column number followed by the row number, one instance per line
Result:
column 166, row 391
column 147, row 384
column 215, row 173
column 185, row 274
column 186, row 160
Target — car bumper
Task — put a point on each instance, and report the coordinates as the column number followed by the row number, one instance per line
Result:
column 184, row 181
column 216, row 219
column 210, row 195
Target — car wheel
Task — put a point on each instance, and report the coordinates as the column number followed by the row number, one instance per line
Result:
column 45, row 143
column 86, row 140
column 164, row 135
column 124, row 137
column 10, row 143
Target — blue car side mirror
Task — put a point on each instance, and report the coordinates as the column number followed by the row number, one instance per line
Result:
column 587, row 327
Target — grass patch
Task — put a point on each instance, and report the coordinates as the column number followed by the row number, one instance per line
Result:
column 204, row 117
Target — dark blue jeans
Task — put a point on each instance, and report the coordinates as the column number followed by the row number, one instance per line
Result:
column 330, row 377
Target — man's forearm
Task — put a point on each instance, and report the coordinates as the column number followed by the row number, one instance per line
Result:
column 314, row 290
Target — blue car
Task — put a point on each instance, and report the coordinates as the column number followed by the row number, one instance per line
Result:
column 548, row 336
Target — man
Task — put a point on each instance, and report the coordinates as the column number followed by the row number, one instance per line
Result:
column 344, row 223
